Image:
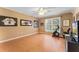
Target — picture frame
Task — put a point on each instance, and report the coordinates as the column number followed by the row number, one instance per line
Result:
column 65, row 22
column 36, row 24
column 8, row 21
column 25, row 22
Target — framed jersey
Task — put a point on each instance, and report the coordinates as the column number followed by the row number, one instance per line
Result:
column 8, row 21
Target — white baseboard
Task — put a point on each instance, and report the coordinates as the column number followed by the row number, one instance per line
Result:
column 2, row 41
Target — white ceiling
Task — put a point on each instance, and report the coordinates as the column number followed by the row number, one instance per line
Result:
column 52, row 11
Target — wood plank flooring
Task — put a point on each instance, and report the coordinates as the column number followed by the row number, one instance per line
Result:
column 34, row 43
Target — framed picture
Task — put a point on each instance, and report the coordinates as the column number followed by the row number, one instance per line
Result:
column 8, row 21
column 65, row 22
column 25, row 22
column 36, row 24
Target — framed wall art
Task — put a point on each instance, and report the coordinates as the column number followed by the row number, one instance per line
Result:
column 65, row 22
column 25, row 22
column 36, row 24
column 8, row 21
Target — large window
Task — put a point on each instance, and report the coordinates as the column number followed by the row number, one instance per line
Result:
column 51, row 24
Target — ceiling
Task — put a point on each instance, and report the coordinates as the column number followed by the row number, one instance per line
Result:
column 52, row 11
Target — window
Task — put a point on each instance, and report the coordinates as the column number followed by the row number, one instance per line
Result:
column 51, row 24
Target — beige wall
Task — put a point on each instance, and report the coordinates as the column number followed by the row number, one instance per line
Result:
column 76, row 10
column 76, row 13
column 66, row 16
column 12, row 32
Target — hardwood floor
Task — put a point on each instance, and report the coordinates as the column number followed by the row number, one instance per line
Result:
column 34, row 43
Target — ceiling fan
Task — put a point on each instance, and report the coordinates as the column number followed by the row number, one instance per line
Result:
column 40, row 11
column 43, row 10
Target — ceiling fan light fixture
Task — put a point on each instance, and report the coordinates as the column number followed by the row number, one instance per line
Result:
column 42, row 11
